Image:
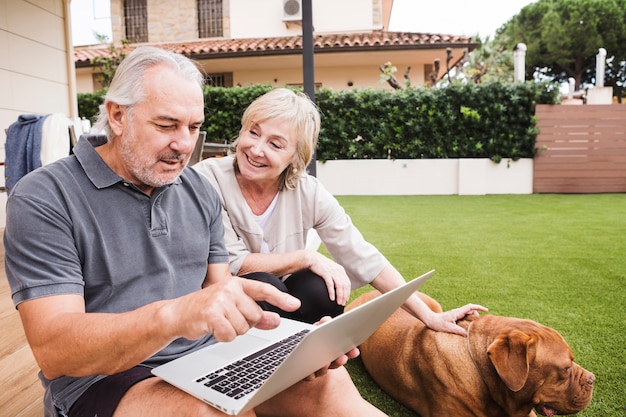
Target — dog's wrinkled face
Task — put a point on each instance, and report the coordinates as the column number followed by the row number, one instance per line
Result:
column 539, row 362
column 567, row 387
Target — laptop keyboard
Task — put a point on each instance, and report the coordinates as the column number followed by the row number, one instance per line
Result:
column 245, row 376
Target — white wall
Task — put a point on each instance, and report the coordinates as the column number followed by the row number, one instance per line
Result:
column 35, row 72
column 426, row 176
column 263, row 18
column 33, row 64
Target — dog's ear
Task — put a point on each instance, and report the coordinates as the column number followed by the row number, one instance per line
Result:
column 509, row 353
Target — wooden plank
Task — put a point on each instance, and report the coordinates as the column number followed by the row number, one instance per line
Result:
column 596, row 182
column 607, row 175
column 578, row 152
column 582, row 139
column 577, row 119
column 582, row 120
column 565, row 173
column 6, row 304
column 22, row 392
column 21, row 386
column 549, row 111
column 579, row 186
column 608, row 137
column 592, row 117
column 608, row 132
column 583, row 160
column 578, row 149
column 32, row 410
column 576, row 155
column 13, row 338
column 597, row 140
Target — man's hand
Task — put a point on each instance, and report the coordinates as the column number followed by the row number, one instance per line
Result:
column 228, row 308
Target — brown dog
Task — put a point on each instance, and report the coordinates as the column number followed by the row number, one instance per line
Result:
column 505, row 367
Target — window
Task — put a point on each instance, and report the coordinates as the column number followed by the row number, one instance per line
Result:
column 222, row 79
column 430, row 76
column 136, row 20
column 210, row 19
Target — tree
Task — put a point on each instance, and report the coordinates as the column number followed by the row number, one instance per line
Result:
column 492, row 61
column 563, row 38
column 109, row 64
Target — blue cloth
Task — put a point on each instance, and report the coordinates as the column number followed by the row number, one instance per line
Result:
column 23, row 147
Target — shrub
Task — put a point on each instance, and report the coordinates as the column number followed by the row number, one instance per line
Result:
column 89, row 103
column 459, row 121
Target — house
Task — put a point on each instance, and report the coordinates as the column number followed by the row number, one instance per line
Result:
column 243, row 42
column 37, row 72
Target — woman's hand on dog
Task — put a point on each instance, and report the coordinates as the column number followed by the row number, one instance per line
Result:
column 447, row 321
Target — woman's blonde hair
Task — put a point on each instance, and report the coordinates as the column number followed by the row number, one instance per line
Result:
column 285, row 105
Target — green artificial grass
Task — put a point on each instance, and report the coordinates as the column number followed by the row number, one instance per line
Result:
column 557, row 259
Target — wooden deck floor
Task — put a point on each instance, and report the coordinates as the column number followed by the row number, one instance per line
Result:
column 20, row 390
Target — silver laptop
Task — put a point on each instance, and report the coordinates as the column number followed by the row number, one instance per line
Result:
column 236, row 376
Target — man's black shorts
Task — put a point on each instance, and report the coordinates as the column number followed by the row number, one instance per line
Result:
column 101, row 399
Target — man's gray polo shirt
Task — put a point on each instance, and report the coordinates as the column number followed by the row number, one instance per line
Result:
column 76, row 227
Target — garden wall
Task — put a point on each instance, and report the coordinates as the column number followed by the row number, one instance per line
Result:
column 581, row 149
column 467, row 176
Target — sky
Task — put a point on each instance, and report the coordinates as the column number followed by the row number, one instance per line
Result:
column 456, row 17
column 89, row 16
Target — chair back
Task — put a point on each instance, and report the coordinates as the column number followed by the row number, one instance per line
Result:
column 196, row 155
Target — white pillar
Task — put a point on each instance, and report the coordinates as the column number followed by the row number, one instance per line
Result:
column 572, row 87
column 519, row 62
column 600, row 63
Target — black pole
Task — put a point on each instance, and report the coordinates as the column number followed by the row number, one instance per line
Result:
column 308, row 73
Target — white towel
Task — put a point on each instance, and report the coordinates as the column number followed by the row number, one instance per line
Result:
column 55, row 138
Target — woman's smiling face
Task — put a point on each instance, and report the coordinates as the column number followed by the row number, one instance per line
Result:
column 265, row 150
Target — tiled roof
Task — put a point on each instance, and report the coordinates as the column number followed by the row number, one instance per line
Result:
column 345, row 42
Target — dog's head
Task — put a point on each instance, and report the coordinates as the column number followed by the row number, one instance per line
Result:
column 535, row 362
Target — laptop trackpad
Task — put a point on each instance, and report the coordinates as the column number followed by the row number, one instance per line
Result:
column 238, row 348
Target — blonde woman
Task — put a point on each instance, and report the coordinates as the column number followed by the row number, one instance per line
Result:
column 270, row 204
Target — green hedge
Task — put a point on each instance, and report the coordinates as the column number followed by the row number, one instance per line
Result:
column 88, row 104
column 459, row 121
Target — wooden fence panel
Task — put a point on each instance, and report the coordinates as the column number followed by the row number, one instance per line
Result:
column 581, row 149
